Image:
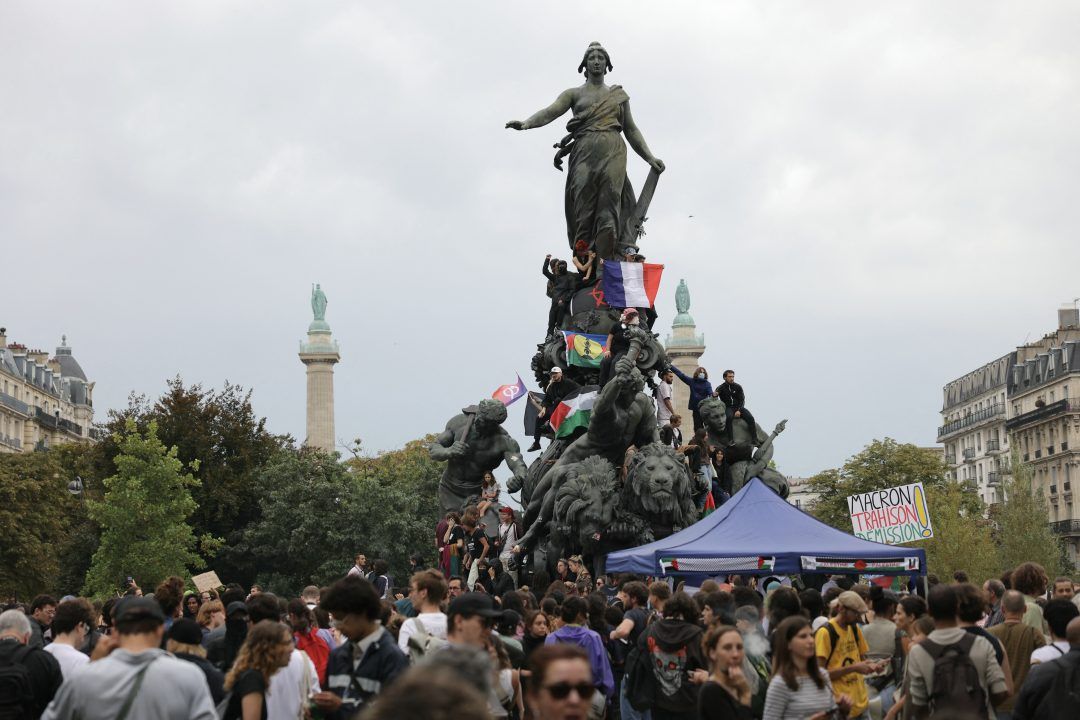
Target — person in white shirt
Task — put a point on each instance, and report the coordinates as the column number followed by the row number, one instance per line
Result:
column 664, row 408
column 70, row 626
column 1057, row 613
column 292, row 686
column 427, row 589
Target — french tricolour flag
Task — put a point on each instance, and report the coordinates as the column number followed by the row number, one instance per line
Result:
column 631, row 284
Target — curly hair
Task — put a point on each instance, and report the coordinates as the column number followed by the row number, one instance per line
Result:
column 1030, row 578
column 260, row 651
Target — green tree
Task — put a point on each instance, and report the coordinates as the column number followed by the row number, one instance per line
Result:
column 881, row 464
column 316, row 513
column 35, row 515
column 143, row 515
column 1023, row 531
column 217, row 432
column 963, row 539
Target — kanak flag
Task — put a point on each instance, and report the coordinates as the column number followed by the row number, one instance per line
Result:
column 631, row 284
column 507, row 394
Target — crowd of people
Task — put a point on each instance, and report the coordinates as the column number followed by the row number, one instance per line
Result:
column 568, row 646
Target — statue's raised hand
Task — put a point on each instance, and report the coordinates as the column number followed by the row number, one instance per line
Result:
column 624, row 366
column 656, row 164
column 780, row 426
column 459, row 449
column 515, row 483
column 519, row 125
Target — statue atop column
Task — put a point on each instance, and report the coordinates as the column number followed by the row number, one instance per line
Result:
column 600, row 205
column 318, row 303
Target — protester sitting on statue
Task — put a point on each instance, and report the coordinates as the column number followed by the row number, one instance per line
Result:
column 722, row 483
column 557, row 389
column 562, row 289
column 734, row 399
column 700, row 388
column 585, row 261
column 617, row 344
column 670, row 433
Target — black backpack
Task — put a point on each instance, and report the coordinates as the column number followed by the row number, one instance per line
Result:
column 1063, row 700
column 16, row 692
column 958, row 689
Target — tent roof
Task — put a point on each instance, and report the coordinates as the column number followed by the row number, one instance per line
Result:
column 757, row 532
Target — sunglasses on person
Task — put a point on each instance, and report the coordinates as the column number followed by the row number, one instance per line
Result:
column 561, row 691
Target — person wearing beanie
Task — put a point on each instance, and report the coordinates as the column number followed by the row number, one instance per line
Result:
column 185, row 642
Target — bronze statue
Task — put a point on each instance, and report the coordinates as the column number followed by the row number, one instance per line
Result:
column 599, row 199
column 318, row 302
column 472, row 444
column 622, row 416
column 746, row 450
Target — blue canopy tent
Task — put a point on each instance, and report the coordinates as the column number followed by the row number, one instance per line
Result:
column 757, row 532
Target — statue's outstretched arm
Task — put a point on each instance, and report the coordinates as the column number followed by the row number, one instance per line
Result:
column 548, row 114
column 637, row 140
column 440, row 450
column 517, row 465
column 765, row 453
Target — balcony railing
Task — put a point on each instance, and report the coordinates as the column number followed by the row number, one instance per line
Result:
column 950, row 459
column 11, row 442
column 993, row 445
column 98, row 433
column 974, row 418
column 1066, row 527
column 16, row 405
column 1068, row 405
column 44, row 418
column 969, row 454
column 68, row 426
column 993, row 478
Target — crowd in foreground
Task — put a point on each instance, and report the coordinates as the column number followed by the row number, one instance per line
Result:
column 625, row 648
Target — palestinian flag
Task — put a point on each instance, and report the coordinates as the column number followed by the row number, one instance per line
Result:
column 667, row 564
column 766, row 563
column 584, row 350
column 574, row 410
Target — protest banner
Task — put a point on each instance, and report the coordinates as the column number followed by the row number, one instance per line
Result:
column 206, row 581
column 891, row 516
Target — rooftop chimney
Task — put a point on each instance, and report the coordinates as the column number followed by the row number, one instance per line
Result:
column 3, row 337
column 1068, row 317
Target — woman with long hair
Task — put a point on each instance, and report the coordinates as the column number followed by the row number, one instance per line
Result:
column 725, row 693
column 799, row 688
column 211, row 615
column 266, row 650
column 537, row 628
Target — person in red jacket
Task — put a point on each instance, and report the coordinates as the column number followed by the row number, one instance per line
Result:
column 306, row 635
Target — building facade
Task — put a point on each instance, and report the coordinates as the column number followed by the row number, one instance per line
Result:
column 973, row 431
column 800, row 495
column 43, row 401
column 1044, row 421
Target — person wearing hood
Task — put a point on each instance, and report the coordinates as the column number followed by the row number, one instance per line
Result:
column 137, row 679
column 673, row 647
column 575, row 614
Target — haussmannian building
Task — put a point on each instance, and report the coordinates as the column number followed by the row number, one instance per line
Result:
column 43, row 401
column 973, row 430
column 1044, row 421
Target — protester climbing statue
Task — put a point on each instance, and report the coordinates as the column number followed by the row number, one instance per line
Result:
column 599, row 201
column 472, row 444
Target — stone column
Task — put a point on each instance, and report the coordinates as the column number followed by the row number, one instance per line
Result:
column 684, row 350
column 320, row 354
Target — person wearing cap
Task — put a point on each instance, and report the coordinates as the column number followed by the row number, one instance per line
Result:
column 842, row 649
column 557, row 388
column 185, row 642
column 137, row 679
column 367, row 661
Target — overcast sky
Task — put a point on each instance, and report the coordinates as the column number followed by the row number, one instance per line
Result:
column 867, row 200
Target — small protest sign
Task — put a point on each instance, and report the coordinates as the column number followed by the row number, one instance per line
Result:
column 206, row 581
column 892, row 516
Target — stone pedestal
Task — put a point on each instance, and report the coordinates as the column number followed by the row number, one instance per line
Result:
column 320, row 354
